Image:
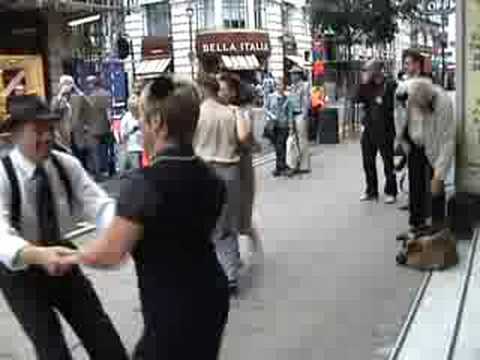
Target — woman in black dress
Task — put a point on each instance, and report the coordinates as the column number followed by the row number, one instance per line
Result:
column 165, row 217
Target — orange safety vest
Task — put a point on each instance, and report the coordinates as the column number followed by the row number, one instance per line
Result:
column 145, row 160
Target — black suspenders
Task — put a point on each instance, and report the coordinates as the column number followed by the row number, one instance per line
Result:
column 16, row 199
column 15, row 209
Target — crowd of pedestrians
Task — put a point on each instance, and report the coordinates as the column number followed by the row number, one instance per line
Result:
column 411, row 117
column 287, row 111
column 181, row 217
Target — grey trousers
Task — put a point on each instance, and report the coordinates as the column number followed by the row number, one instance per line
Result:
column 225, row 236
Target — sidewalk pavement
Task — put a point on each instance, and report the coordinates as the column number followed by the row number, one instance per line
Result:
column 326, row 287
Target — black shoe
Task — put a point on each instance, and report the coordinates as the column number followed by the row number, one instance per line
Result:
column 290, row 172
column 233, row 288
column 404, row 207
column 276, row 173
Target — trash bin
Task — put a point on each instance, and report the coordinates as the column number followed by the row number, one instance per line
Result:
column 328, row 126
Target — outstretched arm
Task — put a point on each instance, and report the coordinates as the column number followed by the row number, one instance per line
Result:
column 113, row 247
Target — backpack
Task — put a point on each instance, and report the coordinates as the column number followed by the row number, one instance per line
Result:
column 15, row 209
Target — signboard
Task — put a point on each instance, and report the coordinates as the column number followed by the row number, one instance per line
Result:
column 21, row 32
column 233, row 43
column 468, row 178
column 156, row 47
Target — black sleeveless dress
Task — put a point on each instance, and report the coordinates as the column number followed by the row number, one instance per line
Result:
column 183, row 289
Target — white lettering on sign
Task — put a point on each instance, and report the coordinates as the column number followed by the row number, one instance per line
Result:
column 233, row 48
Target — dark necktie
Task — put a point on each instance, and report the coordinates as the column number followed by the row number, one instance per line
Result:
column 46, row 214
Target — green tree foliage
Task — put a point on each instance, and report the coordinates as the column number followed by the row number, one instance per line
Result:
column 354, row 20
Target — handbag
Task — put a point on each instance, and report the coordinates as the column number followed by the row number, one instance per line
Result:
column 294, row 154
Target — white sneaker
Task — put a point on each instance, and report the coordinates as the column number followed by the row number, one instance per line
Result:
column 366, row 197
column 389, row 199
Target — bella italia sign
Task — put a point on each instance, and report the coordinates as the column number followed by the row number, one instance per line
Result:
column 235, row 48
column 233, row 43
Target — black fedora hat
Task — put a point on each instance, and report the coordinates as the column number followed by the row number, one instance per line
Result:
column 29, row 108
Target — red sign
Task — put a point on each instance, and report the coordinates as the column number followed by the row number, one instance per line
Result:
column 155, row 47
column 233, row 43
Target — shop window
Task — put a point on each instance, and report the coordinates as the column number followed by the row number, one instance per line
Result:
column 260, row 14
column 287, row 12
column 306, row 16
column 206, row 14
column 158, row 19
column 234, row 13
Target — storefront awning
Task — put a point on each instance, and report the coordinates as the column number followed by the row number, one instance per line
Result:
column 246, row 62
column 153, row 67
column 298, row 60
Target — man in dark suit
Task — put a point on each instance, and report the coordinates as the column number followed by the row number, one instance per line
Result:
column 378, row 134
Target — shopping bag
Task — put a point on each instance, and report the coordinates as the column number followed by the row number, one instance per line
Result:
column 293, row 150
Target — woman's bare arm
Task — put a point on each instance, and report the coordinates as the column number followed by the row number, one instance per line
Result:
column 114, row 246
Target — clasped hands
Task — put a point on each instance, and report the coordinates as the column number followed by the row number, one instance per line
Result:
column 56, row 260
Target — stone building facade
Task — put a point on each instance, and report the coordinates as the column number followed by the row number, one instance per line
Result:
column 256, row 35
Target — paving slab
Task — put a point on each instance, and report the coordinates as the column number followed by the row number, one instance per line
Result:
column 326, row 287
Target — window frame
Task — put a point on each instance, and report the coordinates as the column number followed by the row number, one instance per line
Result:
column 156, row 14
column 260, row 14
column 237, row 14
column 203, row 8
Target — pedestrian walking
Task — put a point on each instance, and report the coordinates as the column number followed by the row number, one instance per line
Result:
column 299, row 161
column 61, row 104
column 165, row 218
column 241, row 98
column 44, row 191
column 378, row 134
column 268, row 86
column 131, row 137
column 427, row 136
column 99, row 126
column 219, row 132
column 279, row 113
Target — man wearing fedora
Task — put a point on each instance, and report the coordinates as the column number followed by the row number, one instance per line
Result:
column 42, row 194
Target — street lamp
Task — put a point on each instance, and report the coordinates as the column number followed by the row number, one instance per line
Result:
column 191, row 55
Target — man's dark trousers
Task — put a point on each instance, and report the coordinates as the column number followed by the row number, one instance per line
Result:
column 33, row 297
column 420, row 173
column 281, row 136
column 370, row 149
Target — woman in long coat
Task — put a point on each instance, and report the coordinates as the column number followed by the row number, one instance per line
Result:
column 234, row 92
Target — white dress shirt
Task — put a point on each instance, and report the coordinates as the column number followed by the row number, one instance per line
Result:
column 90, row 202
column 133, row 139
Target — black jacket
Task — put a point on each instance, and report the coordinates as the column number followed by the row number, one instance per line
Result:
column 378, row 118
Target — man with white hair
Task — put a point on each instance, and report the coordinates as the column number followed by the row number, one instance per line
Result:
column 426, row 132
column 61, row 105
